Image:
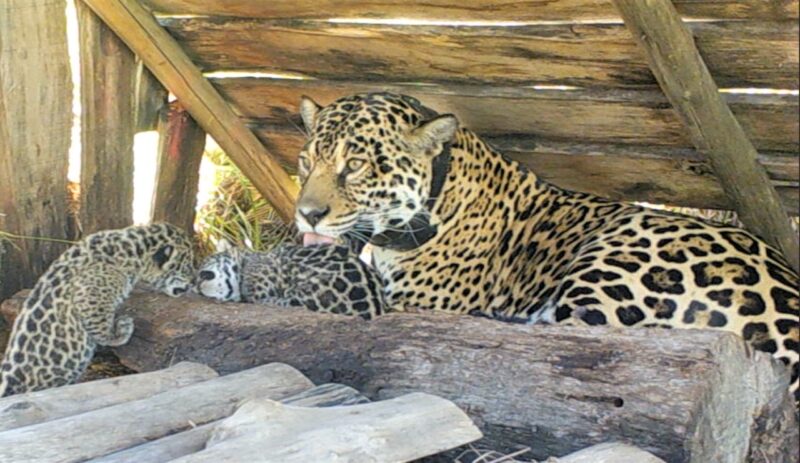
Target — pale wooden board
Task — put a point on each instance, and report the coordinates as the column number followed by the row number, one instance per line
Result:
column 35, row 125
column 739, row 54
column 662, row 175
column 475, row 10
column 588, row 116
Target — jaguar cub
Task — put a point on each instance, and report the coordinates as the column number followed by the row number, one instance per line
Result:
column 72, row 308
column 321, row 278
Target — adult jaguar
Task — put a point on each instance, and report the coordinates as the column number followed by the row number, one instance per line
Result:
column 458, row 227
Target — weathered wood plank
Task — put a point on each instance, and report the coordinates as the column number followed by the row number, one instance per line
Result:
column 180, row 149
column 35, row 125
column 739, row 54
column 684, row 76
column 165, row 58
column 108, row 123
column 661, row 175
column 151, row 97
column 565, row 388
column 401, row 429
column 591, row 116
column 101, row 432
column 41, row 406
column 468, row 10
column 194, row 440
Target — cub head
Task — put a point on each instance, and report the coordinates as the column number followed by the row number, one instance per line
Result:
column 218, row 276
column 367, row 165
column 169, row 261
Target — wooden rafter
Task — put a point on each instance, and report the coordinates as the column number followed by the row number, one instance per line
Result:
column 170, row 64
column 683, row 76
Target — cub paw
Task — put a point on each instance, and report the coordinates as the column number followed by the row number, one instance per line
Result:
column 123, row 331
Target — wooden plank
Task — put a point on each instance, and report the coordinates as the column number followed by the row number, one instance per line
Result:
column 108, row 123
column 401, row 429
column 164, row 57
column 686, row 81
column 51, row 404
column 572, row 386
column 180, row 149
column 468, row 10
column 661, row 175
column 100, row 432
column 194, row 440
column 151, row 98
column 740, row 54
column 592, row 116
column 35, row 125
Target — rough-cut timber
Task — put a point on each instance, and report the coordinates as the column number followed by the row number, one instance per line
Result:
column 401, row 429
column 151, row 98
column 642, row 117
column 556, row 389
column 180, row 149
column 739, row 54
column 662, row 175
column 108, row 123
column 168, row 62
column 469, row 10
column 103, row 431
column 194, row 440
column 35, row 124
column 683, row 75
column 40, row 406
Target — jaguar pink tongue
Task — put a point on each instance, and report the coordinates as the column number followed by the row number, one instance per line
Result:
column 313, row 238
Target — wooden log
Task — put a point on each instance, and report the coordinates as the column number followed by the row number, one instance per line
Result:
column 194, row 440
column 51, row 404
column 468, row 10
column 739, row 54
column 151, row 98
column 101, row 432
column 555, row 389
column 108, row 123
column 180, row 149
column 401, row 429
column 683, row 75
column 660, row 175
column 169, row 63
column 611, row 452
column 643, row 117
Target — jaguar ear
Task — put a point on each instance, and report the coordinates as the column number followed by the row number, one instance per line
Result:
column 434, row 133
column 162, row 255
column 308, row 111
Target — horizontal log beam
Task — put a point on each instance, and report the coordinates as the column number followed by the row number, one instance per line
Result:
column 468, row 10
column 168, row 62
column 739, row 54
column 572, row 386
column 660, row 175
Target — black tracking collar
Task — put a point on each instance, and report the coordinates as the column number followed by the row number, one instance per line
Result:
column 418, row 230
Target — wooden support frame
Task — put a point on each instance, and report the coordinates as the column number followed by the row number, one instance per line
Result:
column 181, row 143
column 683, row 76
column 169, row 63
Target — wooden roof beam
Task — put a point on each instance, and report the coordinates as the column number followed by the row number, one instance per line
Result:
column 683, row 76
column 170, row 64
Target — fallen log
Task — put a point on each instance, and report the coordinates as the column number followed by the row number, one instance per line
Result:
column 683, row 395
column 401, row 429
column 194, row 440
column 101, row 432
column 40, row 406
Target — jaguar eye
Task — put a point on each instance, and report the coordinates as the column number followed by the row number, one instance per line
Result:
column 355, row 164
column 305, row 164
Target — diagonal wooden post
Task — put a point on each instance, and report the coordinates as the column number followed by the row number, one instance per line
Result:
column 169, row 63
column 680, row 70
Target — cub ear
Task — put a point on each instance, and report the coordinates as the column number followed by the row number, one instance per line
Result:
column 308, row 111
column 162, row 255
column 435, row 132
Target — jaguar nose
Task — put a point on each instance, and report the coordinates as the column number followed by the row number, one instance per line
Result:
column 313, row 216
column 206, row 275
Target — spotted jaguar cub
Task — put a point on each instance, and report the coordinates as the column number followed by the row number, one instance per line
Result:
column 457, row 226
column 72, row 308
column 322, row 278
